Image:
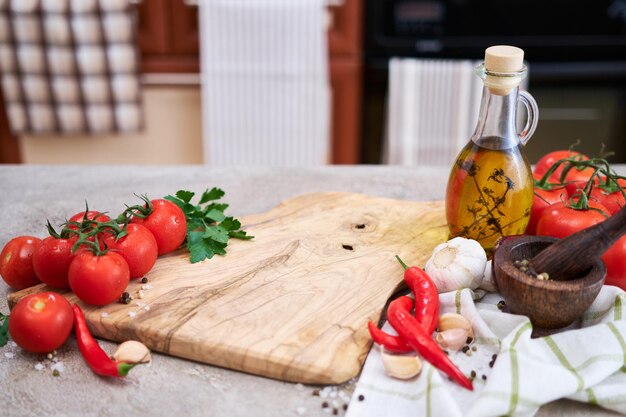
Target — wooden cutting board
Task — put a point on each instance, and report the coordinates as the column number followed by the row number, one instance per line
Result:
column 290, row 304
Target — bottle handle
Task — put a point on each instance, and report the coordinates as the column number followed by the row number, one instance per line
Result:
column 533, row 116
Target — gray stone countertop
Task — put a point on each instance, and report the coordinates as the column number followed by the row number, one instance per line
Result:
column 170, row 386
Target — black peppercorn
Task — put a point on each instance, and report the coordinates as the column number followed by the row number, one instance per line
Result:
column 361, row 397
column 144, row 280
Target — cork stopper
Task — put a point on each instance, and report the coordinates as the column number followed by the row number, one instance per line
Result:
column 506, row 60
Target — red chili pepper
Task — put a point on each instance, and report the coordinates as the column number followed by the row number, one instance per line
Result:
column 96, row 358
column 426, row 296
column 388, row 341
column 426, row 308
column 411, row 331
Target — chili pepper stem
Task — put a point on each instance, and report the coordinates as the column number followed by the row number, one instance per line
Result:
column 124, row 368
column 405, row 266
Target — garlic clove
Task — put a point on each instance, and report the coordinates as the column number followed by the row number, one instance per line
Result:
column 453, row 339
column 449, row 321
column 132, row 352
column 401, row 366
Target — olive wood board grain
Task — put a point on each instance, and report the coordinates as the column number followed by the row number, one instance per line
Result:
column 292, row 303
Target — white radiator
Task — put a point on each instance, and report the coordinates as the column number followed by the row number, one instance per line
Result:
column 265, row 90
column 432, row 108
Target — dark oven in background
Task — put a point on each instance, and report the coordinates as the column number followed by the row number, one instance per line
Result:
column 576, row 50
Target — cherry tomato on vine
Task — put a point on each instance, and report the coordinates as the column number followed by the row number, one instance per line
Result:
column 52, row 259
column 91, row 215
column 138, row 247
column 16, row 262
column 613, row 201
column 549, row 159
column 98, row 279
column 40, row 323
column 561, row 220
column 615, row 261
column 543, row 196
column 167, row 223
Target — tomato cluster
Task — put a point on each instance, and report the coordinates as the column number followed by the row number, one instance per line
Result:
column 574, row 192
column 94, row 256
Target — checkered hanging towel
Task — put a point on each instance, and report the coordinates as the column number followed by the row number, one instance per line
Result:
column 70, row 66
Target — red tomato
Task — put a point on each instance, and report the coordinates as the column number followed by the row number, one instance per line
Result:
column 40, row 323
column 615, row 261
column 91, row 215
column 549, row 159
column 52, row 259
column 576, row 180
column 138, row 247
column 167, row 223
column 98, row 280
column 613, row 201
column 560, row 220
column 16, row 264
column 541, row 200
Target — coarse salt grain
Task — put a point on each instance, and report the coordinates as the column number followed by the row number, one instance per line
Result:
column 299, row 387
column 39, row 366
column 301, row 410
column 105, row 314
column 58, row 366
column 13, row 344
column 140, row 304
column 9, row 355
column 147, row 308
column 132, row 314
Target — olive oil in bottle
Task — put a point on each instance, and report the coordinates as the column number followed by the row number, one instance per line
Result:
column 490, row 192
column 490, row 188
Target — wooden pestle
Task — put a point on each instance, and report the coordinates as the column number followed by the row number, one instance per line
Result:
column 570, row 257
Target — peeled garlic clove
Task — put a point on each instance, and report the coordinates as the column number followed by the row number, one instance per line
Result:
column 132, row 352
column 453, row 339
column 455, row 321
column 401, row 366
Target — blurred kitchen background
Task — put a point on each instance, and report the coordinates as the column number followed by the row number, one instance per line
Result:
column 296, row 82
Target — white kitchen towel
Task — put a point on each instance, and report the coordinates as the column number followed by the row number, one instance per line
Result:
column 432, row 108
column 265, row 92
column 586, row 363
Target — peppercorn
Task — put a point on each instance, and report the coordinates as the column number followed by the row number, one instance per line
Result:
column 335, row 411
column 474, row 348
column 465, row 348
column 324, row 404
column 56, row 372
column 361, row 397
column 316, row 393
column 144, row 280
column 473, row 374
column 484, row 377
column 345, row 407
column 501, row 304
column 469, row 340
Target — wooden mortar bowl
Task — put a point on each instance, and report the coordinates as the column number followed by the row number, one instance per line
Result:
column 549, row 304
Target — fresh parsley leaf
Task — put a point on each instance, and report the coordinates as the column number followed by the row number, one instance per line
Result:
column 214, row 194
column 4, row 329
column 208, row 228
column 186, row 196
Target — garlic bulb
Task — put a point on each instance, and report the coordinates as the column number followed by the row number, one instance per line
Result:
column 401, row 366
column 458, row 263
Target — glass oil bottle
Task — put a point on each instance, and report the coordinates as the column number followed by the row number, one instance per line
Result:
column 490, row 188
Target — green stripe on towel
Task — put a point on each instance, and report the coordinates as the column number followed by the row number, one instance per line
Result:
column 561, row 357
column 619, row 338
column 515, row 369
